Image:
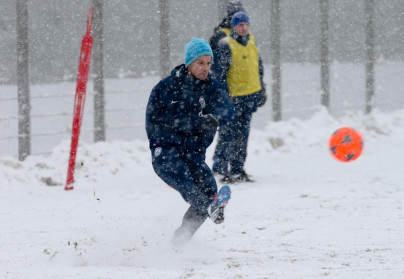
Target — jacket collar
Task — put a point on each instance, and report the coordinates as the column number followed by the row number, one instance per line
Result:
column 180, row 73
column 240, row 39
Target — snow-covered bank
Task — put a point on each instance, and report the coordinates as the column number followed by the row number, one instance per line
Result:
column 307, row 216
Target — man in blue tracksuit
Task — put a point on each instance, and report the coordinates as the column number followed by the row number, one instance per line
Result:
column 182, row 116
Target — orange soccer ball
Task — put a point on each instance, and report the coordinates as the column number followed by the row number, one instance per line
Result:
column 346, row 144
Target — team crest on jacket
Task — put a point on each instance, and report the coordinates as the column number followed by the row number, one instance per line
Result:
column 202, row 102
column 157, row 151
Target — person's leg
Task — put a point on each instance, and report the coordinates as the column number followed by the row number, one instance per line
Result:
column 241, row 134
column 189, row 175
column 191, row 222
column 170, row 166
column 204, row 179
column 201, row 173
column 221, row 155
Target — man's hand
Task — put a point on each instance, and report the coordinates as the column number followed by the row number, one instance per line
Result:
column 210, row 121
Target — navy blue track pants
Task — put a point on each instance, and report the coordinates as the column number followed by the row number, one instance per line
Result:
column 187, row 172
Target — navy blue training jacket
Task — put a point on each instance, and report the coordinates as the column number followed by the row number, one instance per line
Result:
column 174, row 114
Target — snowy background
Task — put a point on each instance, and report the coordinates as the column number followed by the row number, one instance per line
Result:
column 131, row 33
column 306, row 216
column 126, row 99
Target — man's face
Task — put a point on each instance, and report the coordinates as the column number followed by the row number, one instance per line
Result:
column 200, row 67
column 242, row 28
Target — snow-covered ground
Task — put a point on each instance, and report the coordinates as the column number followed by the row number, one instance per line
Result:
column 307, row 216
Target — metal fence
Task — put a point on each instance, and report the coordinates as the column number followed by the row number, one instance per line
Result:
column 342, row 54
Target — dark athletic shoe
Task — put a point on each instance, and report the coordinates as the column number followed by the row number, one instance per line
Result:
column 241, row 177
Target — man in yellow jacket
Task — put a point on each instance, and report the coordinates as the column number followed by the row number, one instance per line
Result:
column 238, row 65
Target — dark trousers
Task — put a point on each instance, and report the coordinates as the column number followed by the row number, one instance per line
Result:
column 187, row 172
column 231, row 150
column 241, row 132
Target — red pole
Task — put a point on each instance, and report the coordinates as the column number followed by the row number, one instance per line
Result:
column 80, row 97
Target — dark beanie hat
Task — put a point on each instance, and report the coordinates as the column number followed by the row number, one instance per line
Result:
column 234, row 7
column 239, row 18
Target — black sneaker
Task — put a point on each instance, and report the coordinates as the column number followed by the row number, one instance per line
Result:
column 226, row 179
column 241, row 177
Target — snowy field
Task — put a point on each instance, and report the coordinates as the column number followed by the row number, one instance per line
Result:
column 307, row 216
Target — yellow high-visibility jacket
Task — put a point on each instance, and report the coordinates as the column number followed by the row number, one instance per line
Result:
column 243, row 63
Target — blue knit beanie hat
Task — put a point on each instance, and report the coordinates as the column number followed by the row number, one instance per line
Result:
column 196, row 48
column 239, row 17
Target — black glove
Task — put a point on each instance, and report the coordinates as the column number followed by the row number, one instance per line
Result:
column 210, row 121
column 263, row 98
